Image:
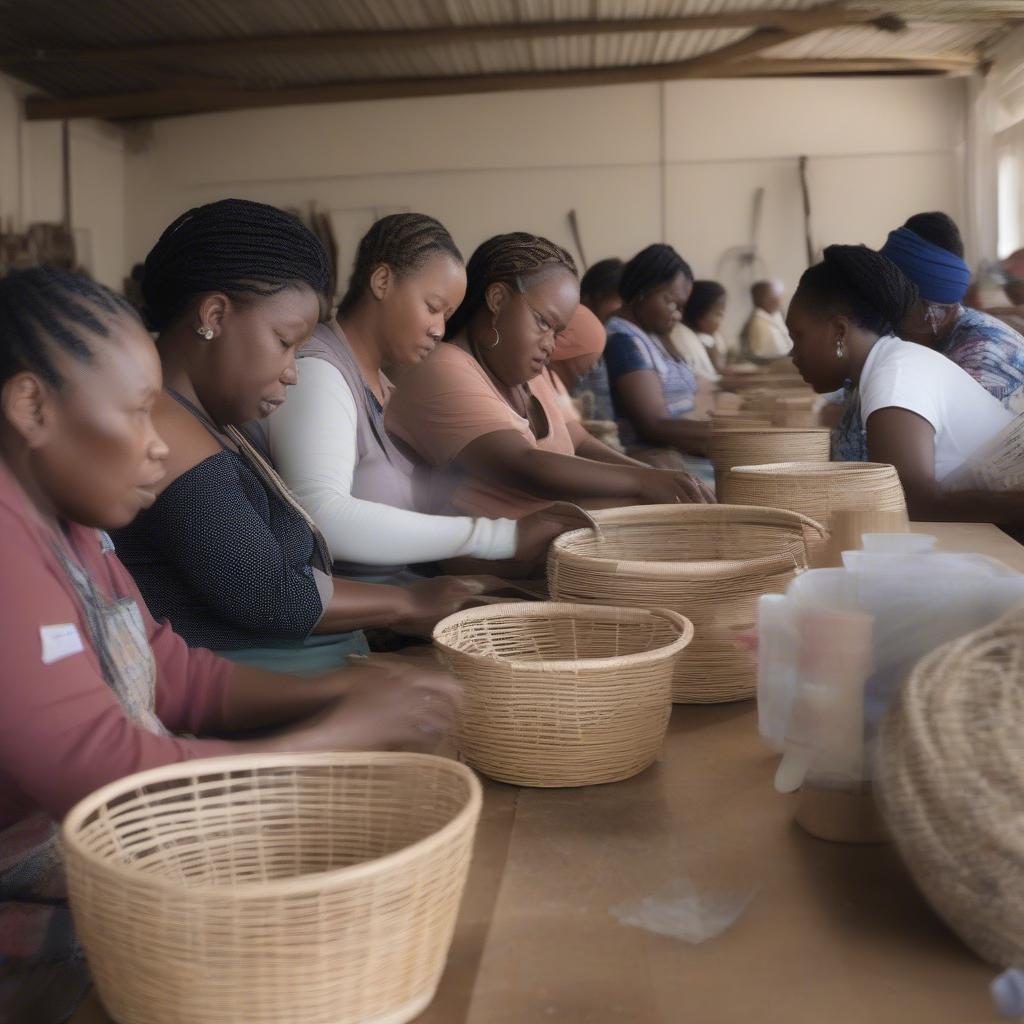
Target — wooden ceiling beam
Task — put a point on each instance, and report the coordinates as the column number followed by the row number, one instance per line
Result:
column 828, row 15
column 168, row 103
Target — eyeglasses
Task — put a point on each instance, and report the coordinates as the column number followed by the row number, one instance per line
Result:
column 544, row 326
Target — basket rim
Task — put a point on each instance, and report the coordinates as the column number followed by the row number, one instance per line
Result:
column 569, row 609
column 721, row 567
column 771, row 431
column 314, row 881
column 822, row 469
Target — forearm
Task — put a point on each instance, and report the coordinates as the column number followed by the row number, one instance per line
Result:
column 931, row 504
column 362, row 606
column 590, row 447
column 690, row 436
column 562, row 477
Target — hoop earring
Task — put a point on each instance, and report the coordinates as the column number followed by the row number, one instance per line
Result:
column 497, row 338
column 205, row 332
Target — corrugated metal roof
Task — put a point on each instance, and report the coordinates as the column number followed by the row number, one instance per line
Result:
column 947, row 29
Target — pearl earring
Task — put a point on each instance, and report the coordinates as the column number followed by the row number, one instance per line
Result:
column 204, row 332
column 840, row 351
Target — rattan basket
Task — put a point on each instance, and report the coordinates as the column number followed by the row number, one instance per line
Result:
column 749, row 447
column 562, row 694
column 709, row 562
column 817, row 489
column 950, row 781
column 260, row 889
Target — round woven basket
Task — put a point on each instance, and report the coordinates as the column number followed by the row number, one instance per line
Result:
column 562, row 694
column 750, row 447
column 816, row 489
column 260, row 889
column 950, row 780
column 709, row 562
column 727, row 420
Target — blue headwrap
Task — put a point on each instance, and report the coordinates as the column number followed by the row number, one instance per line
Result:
column 940, row 276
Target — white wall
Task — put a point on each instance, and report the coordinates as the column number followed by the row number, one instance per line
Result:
column 879, row 149
column 31, row 181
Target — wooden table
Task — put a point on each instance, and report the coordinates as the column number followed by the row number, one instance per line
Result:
column 819, row 932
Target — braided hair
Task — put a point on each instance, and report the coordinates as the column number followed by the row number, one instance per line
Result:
column 938, row 228
column 510, row 258
column 656, row 265
column 402, row 241
column 602, row 278
column 861, row 283
column 704, row 295
column 45, row 308
column 232, row 246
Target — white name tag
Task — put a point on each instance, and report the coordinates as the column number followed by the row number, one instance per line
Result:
column 60, row 641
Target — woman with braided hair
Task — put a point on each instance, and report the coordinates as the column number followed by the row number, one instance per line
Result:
column 329, row 443
column 482, row 414
column 93, row 687
column 654, row 389
column 922, row 413
column 225, row 552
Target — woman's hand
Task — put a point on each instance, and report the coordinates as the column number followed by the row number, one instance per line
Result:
column 536, row 531
column 425, row 603
column 665, row 487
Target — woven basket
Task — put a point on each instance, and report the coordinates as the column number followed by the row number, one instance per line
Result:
column 950, row 780
column 747, row 447
column 817, row 489
column 260, row 889
column 728, row 420
column 709, row 562
column 562, row 694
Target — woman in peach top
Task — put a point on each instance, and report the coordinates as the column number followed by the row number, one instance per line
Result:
column 482, row 414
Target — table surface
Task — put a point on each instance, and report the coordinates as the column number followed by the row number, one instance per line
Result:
column 568, row 888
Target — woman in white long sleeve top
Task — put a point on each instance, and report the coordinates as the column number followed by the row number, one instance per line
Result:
column 328, row 440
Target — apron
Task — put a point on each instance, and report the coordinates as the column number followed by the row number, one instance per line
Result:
column 43, row 974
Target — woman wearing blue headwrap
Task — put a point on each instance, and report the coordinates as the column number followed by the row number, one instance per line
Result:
column 929, row 251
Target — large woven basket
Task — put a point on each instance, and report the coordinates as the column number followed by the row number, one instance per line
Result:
column 562, row 694
column 816, row 489
column 709, row 562
column 258, row 889
column 750, row 447
column 950, row 780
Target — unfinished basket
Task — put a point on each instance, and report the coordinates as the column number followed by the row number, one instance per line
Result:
column 950, row 781
column 817, row 489
column 258, row 889
column 747, row 447
column 562, row 694
column 709, row 562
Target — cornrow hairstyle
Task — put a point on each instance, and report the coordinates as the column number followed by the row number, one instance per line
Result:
column 704, row 295
column 602, row 278
column 938, row 228
column 402, row 241
column 45, row 309
column 513, row 258
column 232, row 246
column 650, row 268
column 861, row 283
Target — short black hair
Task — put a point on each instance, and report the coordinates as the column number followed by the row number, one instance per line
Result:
column 43, row 309
column 704, row 295
column 511, row 258
column 656, row 265
column 402, row 241
column 938, row 228
column 232, row 246
column 602, row 278
column 862, row 284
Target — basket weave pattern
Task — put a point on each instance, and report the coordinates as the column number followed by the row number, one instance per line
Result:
column 744, row 447
column 708, row 562
column 951, row 785
column 561, row 694
column 257, row 889
column 816, row 489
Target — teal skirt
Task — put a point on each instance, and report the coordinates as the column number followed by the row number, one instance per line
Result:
column 309, row 657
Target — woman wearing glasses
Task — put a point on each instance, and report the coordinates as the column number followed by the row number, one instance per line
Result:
column 481, row 413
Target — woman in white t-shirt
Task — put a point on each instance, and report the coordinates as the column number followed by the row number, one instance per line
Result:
column 922, row 413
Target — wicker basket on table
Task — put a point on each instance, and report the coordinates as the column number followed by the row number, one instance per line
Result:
column 743, row 446
column 950, row 781
column 708, row 562
column 266, row 888
column 562, row 694
column 816, row 489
